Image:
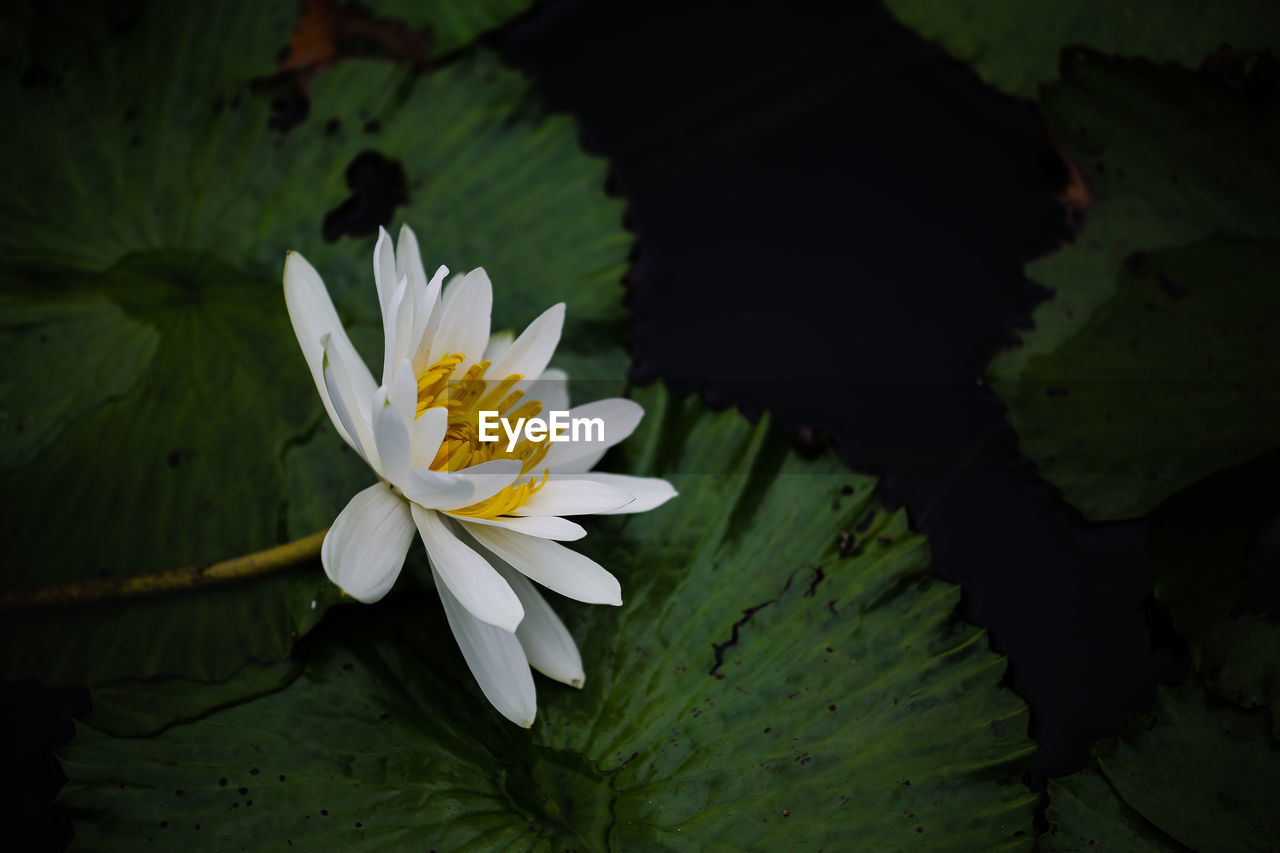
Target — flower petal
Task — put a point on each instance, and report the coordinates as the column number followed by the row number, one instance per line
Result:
column 464, row 321
column 365, row 549
column 529, row 355
column 384, row 273
column 573, row 496
column 348, row 409
column 552, row 388
column 620, row 417
column 403, row 389
column 428, row 432
column 542, row 526
column 499, row 342
column 313, row 316
column 342, row 417
column 391, row 328
column 409, row 258
column 547, row 643
column 474, row 583
column 495, row 658
column 426, row 320
column 391, row 435
column 455, row 489
column 650, row 492
column 552, row 565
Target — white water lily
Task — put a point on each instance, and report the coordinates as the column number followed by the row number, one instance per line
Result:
column 491, row 517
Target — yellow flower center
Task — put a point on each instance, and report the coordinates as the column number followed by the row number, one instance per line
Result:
column 464, row 398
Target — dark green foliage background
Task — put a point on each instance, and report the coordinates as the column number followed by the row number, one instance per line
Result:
column 147, row 234
column 757, row 689
column 142, row 241
column 786, row 671
column 1150, row 383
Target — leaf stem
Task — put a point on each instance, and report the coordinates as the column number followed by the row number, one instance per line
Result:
column 258, row 563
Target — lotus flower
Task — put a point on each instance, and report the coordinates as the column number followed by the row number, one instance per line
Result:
column 490, row 513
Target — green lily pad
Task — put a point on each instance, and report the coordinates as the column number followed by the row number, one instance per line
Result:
column 491, row 182
column 1173, row 378
column 1199, row 772
column 451, row 24
column 1126, row 390
column 183, row 469
column 149, row 203
column 48, row 379
column 1015, row 45
column 768, row 681
column 1195, row 774
column 135, row 132
column 154, row 139
column 1205, row 772
column 1085, row 814
column 140, row 708
column 1201, row 542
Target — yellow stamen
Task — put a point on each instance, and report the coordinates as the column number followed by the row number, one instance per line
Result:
column 434, row 381
column 506, row 501
column 464, row 398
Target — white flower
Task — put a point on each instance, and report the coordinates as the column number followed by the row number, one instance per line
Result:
column 490, row 517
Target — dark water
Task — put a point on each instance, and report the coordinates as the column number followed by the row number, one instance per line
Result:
column 831, row 218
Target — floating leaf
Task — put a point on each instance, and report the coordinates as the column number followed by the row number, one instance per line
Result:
column 150, row 198
column 133, row 709
column 1175, row 377
column 1201, row 542
column 184, row 469
column 158, row 139
column 451, row 24
column 1085, row 814
column 767, row 679
column 48, row 381
column 1206, row 773
column 1128, row 369
column 1198, row 774
column 1015, row 45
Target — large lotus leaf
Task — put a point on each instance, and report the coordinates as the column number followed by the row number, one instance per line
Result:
column 153, row 139
column 185, row 468
column 1197, row 772
column 140, row 708
column 1169, row 157
column 48, row 379
column 1085, row 814
column 491, row 182
column 1205, row 772
column 1175, row 377
column 147, row 209
column 1117, row 388
column 768, row 683
column 1014, row 45
column 451, row 24
column 1201, row 543
column 1194, row 774
column 134, row 129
